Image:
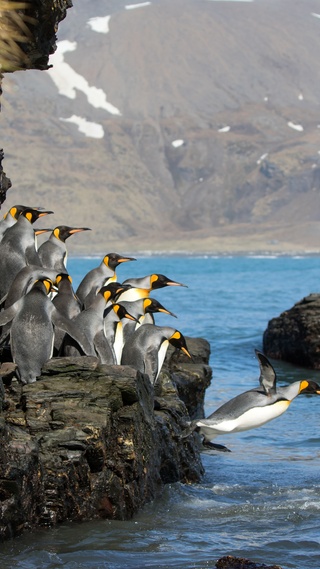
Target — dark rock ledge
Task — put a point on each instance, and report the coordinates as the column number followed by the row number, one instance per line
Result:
column 294, row 336
column 90, row 440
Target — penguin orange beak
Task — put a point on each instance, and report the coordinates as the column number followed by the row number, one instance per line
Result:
column 40, row 231
column 185, row 351
column 165, row 311
column 126, row 259
column 43, row 213
column 78, row 229
column 174, row 283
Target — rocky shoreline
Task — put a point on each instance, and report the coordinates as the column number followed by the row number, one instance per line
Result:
column 293, row 336
column 93, row 441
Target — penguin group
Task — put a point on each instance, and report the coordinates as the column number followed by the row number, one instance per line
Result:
column 42, row 316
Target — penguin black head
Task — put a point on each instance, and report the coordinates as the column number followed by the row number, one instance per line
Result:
column 45, row 284
column 160, row 281
column 310, row 387
column 112, row 260
column 177, row 340
column 32, row 214
column 121, row 312
column 112, row 290
column 151, row 305
column 15, row 211
column 62, row 232
column 63, row 277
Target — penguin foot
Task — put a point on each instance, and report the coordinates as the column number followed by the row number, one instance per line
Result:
column 208, row 445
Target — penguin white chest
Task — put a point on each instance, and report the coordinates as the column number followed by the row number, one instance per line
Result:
column 161, row 355
column 253, row 418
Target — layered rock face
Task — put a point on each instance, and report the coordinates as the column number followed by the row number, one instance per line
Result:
column 294, row 335
column 90, row 440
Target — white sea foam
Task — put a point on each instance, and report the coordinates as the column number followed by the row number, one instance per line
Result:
column 99, row 24
column 68, row 81
column 90, row 129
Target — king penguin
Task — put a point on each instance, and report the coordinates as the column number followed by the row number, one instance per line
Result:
column 18, row 248
column 53, row 252
column 99, row 277
column 65, row 302
column 113, row 321
column 32, row 330
column 90, row 320
column 146, row 348
column 142, row 286
column 140, row 308
column 10, row 217
column 252, row 408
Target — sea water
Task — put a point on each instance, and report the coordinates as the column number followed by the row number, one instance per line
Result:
column 262, row 500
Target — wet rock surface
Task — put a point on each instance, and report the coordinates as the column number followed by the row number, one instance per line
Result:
column 294, row 336
column 230, row 562
column 89, row 440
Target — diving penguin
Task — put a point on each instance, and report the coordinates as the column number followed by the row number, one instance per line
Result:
column 146, row 348
column 32, row 330
column 53, row 252
column 99, row 277
column 252, row 408
column 142, row 286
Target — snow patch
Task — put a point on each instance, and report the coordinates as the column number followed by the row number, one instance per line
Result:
column 224, row 129
column 177, row 143
column 315, row 15
column 90, row 129
column 133, row 6
column 100, row 25
column 67, row 80
column 295, row 126
column 300, row 97
column 262, row 158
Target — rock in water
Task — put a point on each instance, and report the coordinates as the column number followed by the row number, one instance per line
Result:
column 294, row 335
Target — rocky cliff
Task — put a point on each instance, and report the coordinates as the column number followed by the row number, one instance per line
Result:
column 90, row 440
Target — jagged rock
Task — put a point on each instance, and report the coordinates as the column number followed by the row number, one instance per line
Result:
column 90, row 440
column 231, row 562
column 294, row 335
column 5, row 183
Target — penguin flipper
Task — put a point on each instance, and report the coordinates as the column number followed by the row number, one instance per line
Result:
column 74, row 331
column 9, row 313
column 208, row 446
column 267, row 377
column 103, row 349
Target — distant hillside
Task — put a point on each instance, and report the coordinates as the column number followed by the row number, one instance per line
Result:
column 187, row 125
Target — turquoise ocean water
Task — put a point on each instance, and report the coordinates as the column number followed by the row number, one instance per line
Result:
column 260, row 501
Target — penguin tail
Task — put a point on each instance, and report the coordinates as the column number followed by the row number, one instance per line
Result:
column 191, row 427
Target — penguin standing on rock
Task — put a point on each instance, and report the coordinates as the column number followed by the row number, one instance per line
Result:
column 252, row 408
column 99, row 277
column 140, row 309
column 18, row 247
column 53, row 252
column 10, row 218
column 146, row 349
column 90, row 320
column 32, row 330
